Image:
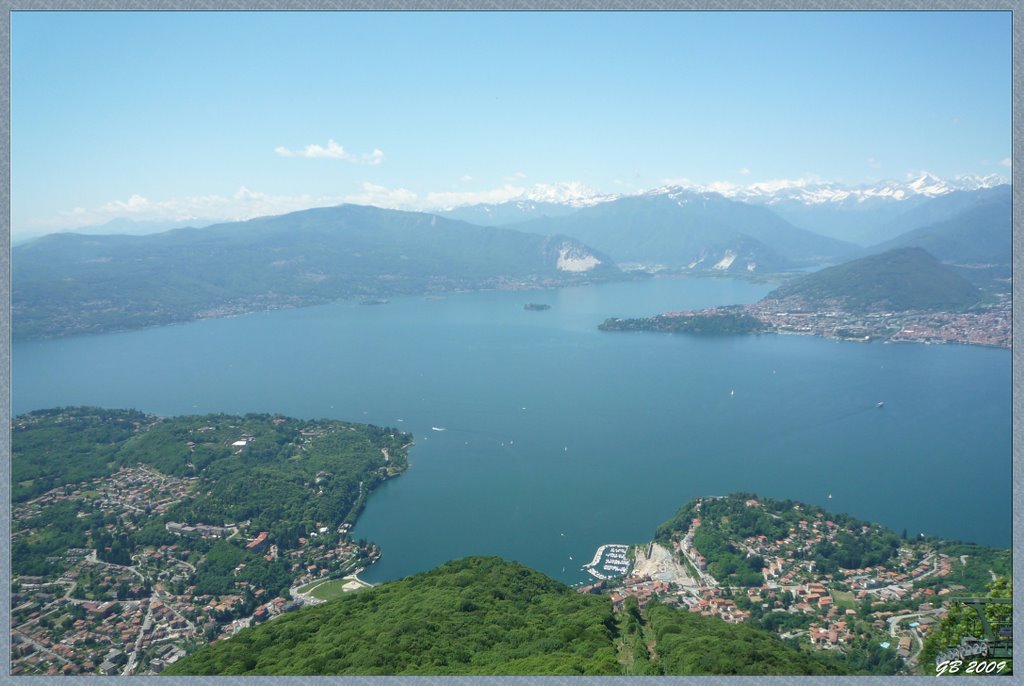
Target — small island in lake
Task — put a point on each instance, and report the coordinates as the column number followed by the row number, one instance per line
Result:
column 536, row 307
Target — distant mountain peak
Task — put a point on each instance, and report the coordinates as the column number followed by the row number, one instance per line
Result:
column 817, row 192
column 930, row 185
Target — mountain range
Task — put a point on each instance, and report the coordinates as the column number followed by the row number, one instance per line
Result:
column 863, row 214
column 68, row 283
column 72, row 283
column 681, row 229
column 961, row 228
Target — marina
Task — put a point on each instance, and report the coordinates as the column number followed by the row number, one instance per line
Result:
column 609, row 561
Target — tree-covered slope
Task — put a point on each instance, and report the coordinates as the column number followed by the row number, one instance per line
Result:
column 484, row 615
column 289, row 475
column 688, row 644
column 472, row 616
column 901, row 279
column 67, row 283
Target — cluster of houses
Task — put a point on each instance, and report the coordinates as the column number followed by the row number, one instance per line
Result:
column 830, row 635
column 641, row 588
column 200, row 530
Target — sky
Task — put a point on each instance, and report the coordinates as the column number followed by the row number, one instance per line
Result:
column 227, row 115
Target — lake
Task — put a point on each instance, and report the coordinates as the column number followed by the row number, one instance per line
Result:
column 558, row 437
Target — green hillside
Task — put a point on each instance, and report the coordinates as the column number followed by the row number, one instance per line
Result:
column 290, row 474
column 72, row 284
column 902, row 279
column 688, row 644
column 484, row 615
column 472, row 616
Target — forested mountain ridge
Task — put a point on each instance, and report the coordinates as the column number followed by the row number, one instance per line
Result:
column 71, row 284
column 481, row 615
column 900, row 279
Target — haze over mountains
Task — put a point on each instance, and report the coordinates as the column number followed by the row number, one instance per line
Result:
column 961, row 228
column 67, row 283
column 71, row 283
column 862, row 214
column 678, row 228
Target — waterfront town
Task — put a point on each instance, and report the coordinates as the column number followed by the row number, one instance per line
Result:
column 989, row 326
column 106, row 618
column 887, row 604
column 120, row 575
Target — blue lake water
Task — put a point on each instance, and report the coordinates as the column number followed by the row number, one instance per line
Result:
column 558, row 437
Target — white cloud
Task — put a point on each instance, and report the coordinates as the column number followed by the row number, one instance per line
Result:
column 242, row 204
column 518, row 176
column 133, row 205
column 743, row 170
column 1006, row 162
column 572, row 192
column 381, row 196
column 873, row 163
column 332, row 151
column 246, row 203
column 446, row 200
column 467, row 177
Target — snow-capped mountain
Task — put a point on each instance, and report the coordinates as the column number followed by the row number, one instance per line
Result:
column 692, row 230
column 542, row 200
column 865, row 214
column 832, row 208
column 813, row 192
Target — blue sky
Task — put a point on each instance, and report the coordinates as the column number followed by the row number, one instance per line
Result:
column 225, row 115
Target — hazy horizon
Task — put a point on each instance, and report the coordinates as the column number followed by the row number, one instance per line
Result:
column 434, row 110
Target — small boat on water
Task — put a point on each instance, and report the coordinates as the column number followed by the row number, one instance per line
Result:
column 438, row 428
column 881, row 403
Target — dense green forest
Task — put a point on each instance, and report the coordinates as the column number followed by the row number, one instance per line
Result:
column 471, row 616
column 290, row 475
column 691, row 644
column 480, row 616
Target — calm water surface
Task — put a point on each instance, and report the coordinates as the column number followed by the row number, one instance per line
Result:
column 559, row 437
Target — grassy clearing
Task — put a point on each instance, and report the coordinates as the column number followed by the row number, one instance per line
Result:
column 844, row 599
column 311, row 585
column 332, row 589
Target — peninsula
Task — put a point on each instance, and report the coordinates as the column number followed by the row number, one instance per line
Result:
column 138, row 538
column 901, row 295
